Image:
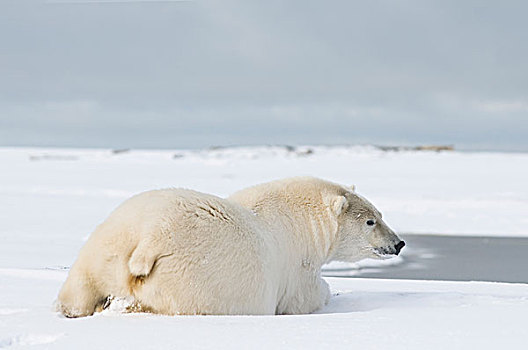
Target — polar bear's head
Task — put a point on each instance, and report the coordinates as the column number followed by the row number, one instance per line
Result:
column 361, row 231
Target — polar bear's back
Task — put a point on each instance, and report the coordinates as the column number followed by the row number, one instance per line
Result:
column 180, row 212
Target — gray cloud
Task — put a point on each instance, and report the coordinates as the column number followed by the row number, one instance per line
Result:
column 194, row 74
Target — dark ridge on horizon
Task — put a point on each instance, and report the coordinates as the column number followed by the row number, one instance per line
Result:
column 297, row 150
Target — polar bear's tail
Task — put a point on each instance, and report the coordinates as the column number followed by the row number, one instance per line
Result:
column 144, row 258
column 141, row 261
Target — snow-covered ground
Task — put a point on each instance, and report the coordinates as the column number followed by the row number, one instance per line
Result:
column 51, row 199
column 365, row 314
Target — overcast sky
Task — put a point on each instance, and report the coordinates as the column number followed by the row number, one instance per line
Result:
column 172, row 74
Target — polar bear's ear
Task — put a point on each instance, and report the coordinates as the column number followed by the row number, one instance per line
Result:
column 339, row 204
column 352, row 187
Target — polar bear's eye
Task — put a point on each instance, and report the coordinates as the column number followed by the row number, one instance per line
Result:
column 370, row 222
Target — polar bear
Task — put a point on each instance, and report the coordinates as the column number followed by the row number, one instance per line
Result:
column 258, row 252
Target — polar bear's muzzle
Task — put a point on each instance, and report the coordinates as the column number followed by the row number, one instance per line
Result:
column 394, row 250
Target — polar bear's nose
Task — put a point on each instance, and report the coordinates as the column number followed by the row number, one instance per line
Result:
column 399, row 247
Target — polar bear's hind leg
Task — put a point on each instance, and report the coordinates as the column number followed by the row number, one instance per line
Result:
column 79, row 297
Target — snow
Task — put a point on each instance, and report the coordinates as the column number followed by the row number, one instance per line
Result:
column 51, row 200
column 344, row 269
column 367, row 314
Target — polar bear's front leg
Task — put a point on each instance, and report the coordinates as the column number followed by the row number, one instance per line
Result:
column 310, row 296
column 325, row 292
column 318, row 297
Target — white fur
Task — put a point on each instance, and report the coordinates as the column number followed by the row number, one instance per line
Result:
column 258, row 252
